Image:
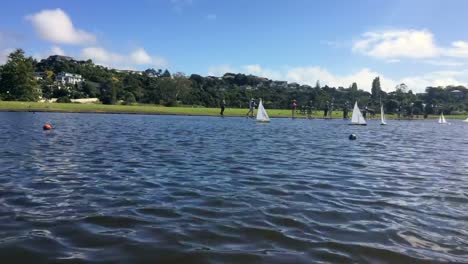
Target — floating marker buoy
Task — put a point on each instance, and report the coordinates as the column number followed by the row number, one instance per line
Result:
column 352, row 137
column 47, row 126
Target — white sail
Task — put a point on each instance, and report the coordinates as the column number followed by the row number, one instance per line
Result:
column 442, row 119
column 382, row 116
column 357, row 118
column 262, row 115
column 466, row 120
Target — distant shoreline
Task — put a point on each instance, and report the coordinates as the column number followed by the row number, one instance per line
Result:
column 14, row 106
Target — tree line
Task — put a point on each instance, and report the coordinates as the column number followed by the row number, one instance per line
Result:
column 18, row 81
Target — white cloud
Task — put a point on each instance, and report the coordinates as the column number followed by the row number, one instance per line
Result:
column 55, row 25
column 4, row 55
column 256, row 69
column 100, row 55
column 111, row 59
column 220, row 70
column 447, row 63
column 8, row 40
column 56, row 50
column 393, row 44
column 363, row 77
column 139, row 56
column 458, row 49
column 437, row 78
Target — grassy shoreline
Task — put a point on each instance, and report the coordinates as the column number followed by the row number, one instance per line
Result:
column 14, row 106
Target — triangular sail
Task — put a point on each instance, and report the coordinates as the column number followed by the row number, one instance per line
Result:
column 357, row 118
column 442, row 119
column 382, row 116
column 262, row 115
column 466, row 120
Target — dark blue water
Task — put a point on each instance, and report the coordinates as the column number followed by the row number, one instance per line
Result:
column 173, row 189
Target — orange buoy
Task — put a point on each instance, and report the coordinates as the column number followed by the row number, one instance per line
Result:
column 47, row 126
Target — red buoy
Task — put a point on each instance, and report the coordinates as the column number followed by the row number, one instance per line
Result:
column 47, row 126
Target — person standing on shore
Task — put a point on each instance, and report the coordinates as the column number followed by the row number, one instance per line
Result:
column 309, row 109
column 345, row 110
column 223, row 105
column 252, row 105
column 293, row 107
column 325, row 110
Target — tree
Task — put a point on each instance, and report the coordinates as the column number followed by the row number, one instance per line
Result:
column 90, row 89
column 17, row 80
column 354, row 87
column 401, row 88
column 317, row 85
column 152, row 72
column 375, row 91
column 108, row 93
column 129, row 98
column 391, row 106
column 172, row 89
column 166, row 74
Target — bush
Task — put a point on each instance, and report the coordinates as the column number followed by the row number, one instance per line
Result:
column 64, row 99
column 129, row 98
column 168, row 103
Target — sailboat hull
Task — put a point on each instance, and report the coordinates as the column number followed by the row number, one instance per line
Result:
column 357, row 124
column 263, row 121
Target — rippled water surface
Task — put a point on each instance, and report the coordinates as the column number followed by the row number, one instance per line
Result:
column 174, row 189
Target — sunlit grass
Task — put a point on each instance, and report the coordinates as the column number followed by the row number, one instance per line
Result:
column 157, row 109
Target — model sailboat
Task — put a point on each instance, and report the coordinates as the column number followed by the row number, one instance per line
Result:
column 382, row 116
column 442, row 119
column 357, row 118
column 262, row 115
column 466, row 120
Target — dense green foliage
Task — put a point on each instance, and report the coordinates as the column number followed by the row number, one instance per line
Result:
column 17, row 80
column 161, row 87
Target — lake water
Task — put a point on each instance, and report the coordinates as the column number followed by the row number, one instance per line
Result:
column 175, row 189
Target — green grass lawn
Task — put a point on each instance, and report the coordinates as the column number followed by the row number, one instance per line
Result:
column 157, row 109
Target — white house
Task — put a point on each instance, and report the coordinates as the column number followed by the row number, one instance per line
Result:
column 38, row 76
column 68, row 78
column 279, row 84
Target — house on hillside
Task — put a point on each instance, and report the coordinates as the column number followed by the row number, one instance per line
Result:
column 39, row 76
column 457, row 94
column 293, row 85
column 68, row 78
column 279, row 84
column 229, row 76
column 59, row 58
column 130, row 72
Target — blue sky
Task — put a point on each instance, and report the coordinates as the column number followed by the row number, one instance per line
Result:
column 337, row 42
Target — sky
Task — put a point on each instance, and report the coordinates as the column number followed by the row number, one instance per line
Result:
column 417, row 42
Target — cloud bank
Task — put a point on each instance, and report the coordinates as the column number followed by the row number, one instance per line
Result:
column 407, row 44
column 363, row 77
column 55, row 25
column 112, row 59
